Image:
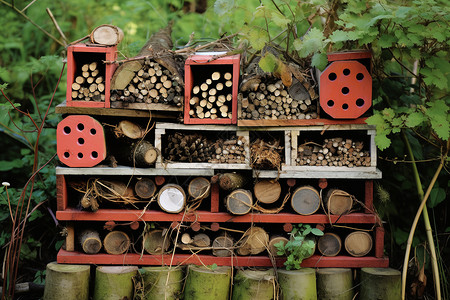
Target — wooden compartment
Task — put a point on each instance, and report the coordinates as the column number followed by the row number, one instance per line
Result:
column 211, row 83
column 94, row 56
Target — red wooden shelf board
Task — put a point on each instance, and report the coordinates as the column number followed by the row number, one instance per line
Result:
column 237, row 261
column 205, row 216
column 252, row 123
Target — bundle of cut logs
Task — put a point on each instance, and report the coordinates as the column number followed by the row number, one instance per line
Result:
column 334, row 152
column 89, row 85
column 212, row 98
column 229, row 151
column 153, row 83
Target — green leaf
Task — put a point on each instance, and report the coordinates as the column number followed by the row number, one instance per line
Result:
column 317, row 231
column 280, row 20
column 386, row 40
column 3, row 86
column 221, row 7
column 382, row 141
column 313, row 41
column 415, row 119
column 437, row 195
column 9, row 165
column 257, row 38
column 319, row 60
column 438, row 114
column 268, row 62
column 213, row 266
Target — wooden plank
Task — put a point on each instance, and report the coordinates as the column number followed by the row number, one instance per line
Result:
column 321, row 172
column 215, row 200
column 146, row 106
column 61, row 192
column 65, row 257
column 122, row 170
column 368, row 196
column 214, row 166
column 379, row 242
column 206, row 216
column 275, row 123
column 287, row 147
column 330, row 127
column 203, row 127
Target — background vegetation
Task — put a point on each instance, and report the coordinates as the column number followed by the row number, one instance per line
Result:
column 409, row 41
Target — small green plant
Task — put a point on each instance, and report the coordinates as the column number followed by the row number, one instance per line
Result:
column 300, row 245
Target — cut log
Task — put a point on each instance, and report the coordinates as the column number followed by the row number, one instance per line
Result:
column 108, row 35
column 267, row 191
column 199, row 188
column 114, row 282
column 254, row 241
column 201, row 240
column 334, row 284
column 68, row 282
column 116, row 190
column 186, row 238
column 90, row 241
column 305, row 200
column 338, row 202
column 358, row 243
column 297, row 284
column 140, row 153
column 254, row 285
column 223, row 246
column 204, row 283
column 171, row 198
column 329, row 244
column 380, row 283
column 239, row 202
column 275, row 240
column 156, row 242
column 129, row 129
column 231, row 181
column 162, row 282
column 145, row 188
column 116, row 242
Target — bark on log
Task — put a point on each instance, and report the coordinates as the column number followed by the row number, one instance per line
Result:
column 199, row 188
column 68, row 282
column 202, row 283
column 231, row 181
column 239, row 202
column 380, row 283
column 114, row 282
column 116, row 242
column 162, row 282
column 223, row 246
column 137, row 153
column 334, row 284
column 305, row 200
column 254, row 285
column 267, row 191
column 254, row 241
column 297, row 284
column 145, row 188
column 155, row 242
column 358, row 243
column 338, row 202
column 275, row 240
column 329, row 244
column 106, row 35
column 171, row 198
column 90, row 241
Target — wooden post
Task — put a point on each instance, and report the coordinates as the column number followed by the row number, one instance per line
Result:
column 380, row 283
column 334, row 284
column 297, row 284
column 214, row 197
column 254, row 285
column 70, row 237
column 68, row 282
column 368, row 202
column 114, row 282
column 379, row 242
column 203, row 283
column 162, row 282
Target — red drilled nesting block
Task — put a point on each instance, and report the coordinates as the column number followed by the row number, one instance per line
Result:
column 80, row 54
column 80, row 141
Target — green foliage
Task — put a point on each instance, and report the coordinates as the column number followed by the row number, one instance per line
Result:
column 300, row 245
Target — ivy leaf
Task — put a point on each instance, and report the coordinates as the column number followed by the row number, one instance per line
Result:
column 415, row 119
column 280, row 20
column 268, row 62
column 437, row 195
column 221, row 7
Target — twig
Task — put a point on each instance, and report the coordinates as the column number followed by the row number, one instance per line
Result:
column 61, row 33
column 29, row 4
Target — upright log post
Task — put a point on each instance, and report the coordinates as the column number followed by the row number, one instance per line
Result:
column 203, row 283
column 380, row 283
column 68, row 282
column 334, row 284
column 114, row 282
column 254, row 284
column 297, row 284
column 162, row 282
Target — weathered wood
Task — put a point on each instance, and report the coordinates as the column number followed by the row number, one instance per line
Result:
column 162, row 282
column 297, row 284
column 223, row 246
column 68, row 282
column 338, row 202
column 358, row 243
column 254, row 285
column 199, row 188
column 334, row 284
column 380, row 283
column 275, row 240
column 156, row 242
column 305, row 200
column 201, row 240
column 130, row 130
column 204, row 283
column 267, row 191
column 239, row 202
column 230, row 181
column 254, row 241
column 70, row 237
column 116, row 242
column 329, row 244
column 145, row 188
column 109, row 35
column 90, row 241
column 172, row 198
column 114, row 282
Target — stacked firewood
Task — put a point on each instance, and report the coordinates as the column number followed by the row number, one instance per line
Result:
column 270, row 99
column 212, row 98
column 188, row 148
column 89, row 85
column 153, row 83
column 334, row 152
column 229, row 151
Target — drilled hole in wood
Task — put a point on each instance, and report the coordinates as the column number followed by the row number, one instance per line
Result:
column 66, row 154
column 346, row 72
column 94, row 154
column 330, row 103
column 80, row 155
column 360, row 76
column 80, row 126
column 345, row 106
column 80, row 141
column 332, row 76
column 93, row 131
column 345, row 90
column 67, row 130
column 360, row 102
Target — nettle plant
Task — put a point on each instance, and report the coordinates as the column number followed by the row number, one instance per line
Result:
column 301, row 245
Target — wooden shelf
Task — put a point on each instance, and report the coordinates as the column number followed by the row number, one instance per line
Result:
column 316, row 261
column 71, row 214
column 277, row 123
column 321, row 172
column 122, row 170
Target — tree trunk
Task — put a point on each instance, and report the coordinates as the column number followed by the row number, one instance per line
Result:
column 204, row 284
column 114, row 282
column 297, row 284
column 108, row 35
column 338, row 202
column 358, row 243
column 154, row 242
column 329, row 244
column 334, row 284
column 116, row 242
column 380, row 283
column 90, row 241
column 305, row 200
column 223, row 246
column 239, row 202
column 68, row 282
column 254, row 285
column 145, row 188
column 267, row 191
column 199, row 188
column 171, row 198
column 162, row 282
column 254, row 241
column 275, row 240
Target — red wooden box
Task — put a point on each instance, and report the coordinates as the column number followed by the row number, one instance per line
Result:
column 198, row 69
column 80, row 54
